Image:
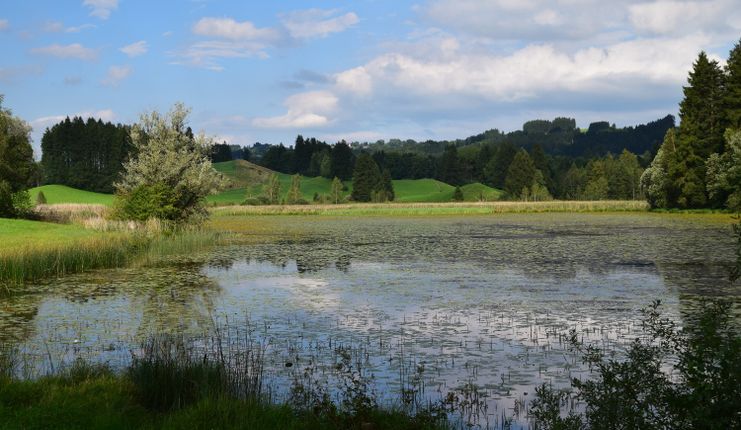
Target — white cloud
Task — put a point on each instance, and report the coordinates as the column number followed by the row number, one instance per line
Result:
column 228, row 28
column 305, row 110
column 57, row 27
column 79, row 28
column 116, row 74
column 525, row 73
column 307, row 24
column 4, row 25
column 229, row 38
column 74, row 50
column 53, row 27
column 683, row 17
column 101, row 8
column 135, row 49
column 529, row 20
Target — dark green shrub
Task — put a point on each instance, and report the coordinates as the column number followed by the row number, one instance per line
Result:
column 458, row 194
column 149, row 201
column 637, row 392
column 257, row 201
column 40, row 198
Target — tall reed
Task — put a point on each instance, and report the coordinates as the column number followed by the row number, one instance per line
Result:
column 466, row 208
column 108, row 250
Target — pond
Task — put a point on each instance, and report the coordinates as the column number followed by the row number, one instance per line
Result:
column 454, row 302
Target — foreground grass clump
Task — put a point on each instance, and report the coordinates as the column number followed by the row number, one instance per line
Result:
column 702, row 390
column 421, row 209
column 170, row 386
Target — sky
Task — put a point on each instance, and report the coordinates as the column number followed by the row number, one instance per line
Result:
column 255, row 71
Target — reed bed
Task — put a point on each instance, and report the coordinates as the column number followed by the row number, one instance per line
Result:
column 71, row 212
column 465, row 208
column 107, row 250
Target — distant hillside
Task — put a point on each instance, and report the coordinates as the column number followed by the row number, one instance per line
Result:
column 248, row 180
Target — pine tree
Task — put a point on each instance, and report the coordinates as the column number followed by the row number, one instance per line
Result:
column 366, row 178
column 520, row 174
column 700, row 133
column 458, row 194
column 732, row 94
column 386, row 186
column 450, row 166
column 496, row 169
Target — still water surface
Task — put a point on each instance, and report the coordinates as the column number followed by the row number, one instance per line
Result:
column 482, row 300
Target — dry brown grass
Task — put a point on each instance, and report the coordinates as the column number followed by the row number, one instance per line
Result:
column 462, row 208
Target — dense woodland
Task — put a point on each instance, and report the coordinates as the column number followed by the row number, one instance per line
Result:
column 84, row 154
column 699, row 163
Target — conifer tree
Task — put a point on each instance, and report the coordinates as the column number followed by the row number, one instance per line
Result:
column 700, row 132
column 458, row 194
column 732, row 88
column 386, row 186
column 366, row 178
column 520, row 174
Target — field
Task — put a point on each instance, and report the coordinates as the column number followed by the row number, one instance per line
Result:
column 248, row 180
column 56, row 194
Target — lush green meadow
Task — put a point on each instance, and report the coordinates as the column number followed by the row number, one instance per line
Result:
column 248, row 180
column 56, row 194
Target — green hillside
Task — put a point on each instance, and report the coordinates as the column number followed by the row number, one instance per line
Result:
column 248, row 180
column 56, row 194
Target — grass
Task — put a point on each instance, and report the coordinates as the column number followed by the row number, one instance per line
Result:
column 32, row 250
column 423, row 209
column 169, row 385
column 249, row 179
column 56, row 194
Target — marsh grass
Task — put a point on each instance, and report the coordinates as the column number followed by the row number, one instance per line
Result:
column 415, row 209
column 40, row 260
column 71, row 212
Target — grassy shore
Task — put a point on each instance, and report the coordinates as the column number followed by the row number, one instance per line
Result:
column 32, row 250
column 421, row 209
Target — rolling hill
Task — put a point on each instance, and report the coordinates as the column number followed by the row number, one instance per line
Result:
column 248, row 180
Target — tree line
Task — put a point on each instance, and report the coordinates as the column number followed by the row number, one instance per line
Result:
column 699, row 163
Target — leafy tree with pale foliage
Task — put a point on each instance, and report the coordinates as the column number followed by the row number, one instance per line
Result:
column 272, row 191
column 336, row 191
column 171, row 169
column 724, row 172
column 294, row 193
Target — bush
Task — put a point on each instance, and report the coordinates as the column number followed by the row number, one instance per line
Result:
column 146, row 202
column 257, row 201
column 458, row 194
column 40, row 198
column 637, row 392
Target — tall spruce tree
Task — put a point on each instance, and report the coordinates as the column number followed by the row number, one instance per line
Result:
column 366, row 178
column 732, row 93
column 520, row 175
column 450, row 166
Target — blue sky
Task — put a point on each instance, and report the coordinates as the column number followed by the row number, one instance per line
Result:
column 361, row 70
